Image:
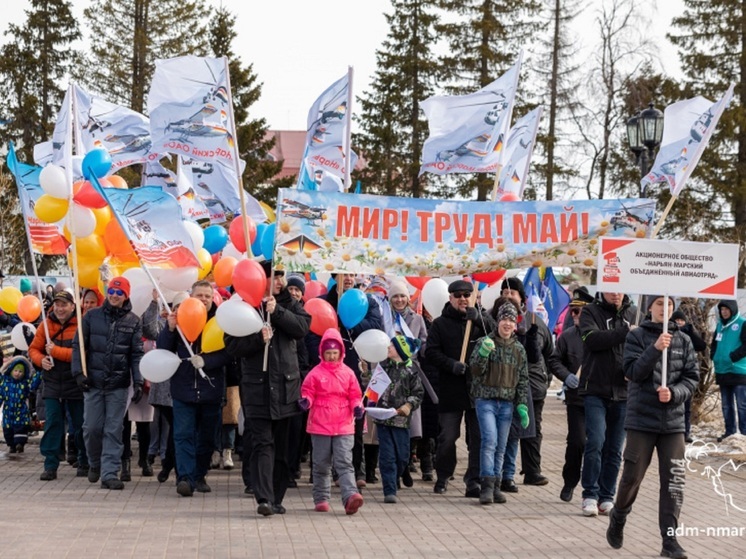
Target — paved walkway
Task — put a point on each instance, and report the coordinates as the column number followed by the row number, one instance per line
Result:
column 70, row 517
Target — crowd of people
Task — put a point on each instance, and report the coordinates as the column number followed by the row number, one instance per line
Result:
column 287, row 394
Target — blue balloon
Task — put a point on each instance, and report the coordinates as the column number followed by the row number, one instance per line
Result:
column 256, row 246
column 352, row 307
column 96, row 162
column 216, row 237
column 330, row 284
column 268, row 241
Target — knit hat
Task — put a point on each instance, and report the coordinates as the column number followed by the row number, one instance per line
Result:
column 460, row 285
column 678, row 314
column 329, row 343
column 507, row 312
column 581, row 297
column 514, row 284
column 120, row 282
column 650, row 299
column 405, row 346
column 398, row 288
column 294, row 280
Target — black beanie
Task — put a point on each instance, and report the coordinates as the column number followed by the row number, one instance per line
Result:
column 514, row 284
column 297, row 281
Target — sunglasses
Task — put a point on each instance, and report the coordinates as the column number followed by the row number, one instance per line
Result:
column 461, row 294
column 112, row 291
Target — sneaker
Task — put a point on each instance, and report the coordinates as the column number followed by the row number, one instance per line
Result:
column 184, row 489
column 93, row 474
column 112, row 483
column 215, row 460
column 671, row 548
column 228, row 459
column 265, row 509
column 202, row 486
column 406, row 478
column 566, row 493
column 323, row 506
column 389, row 499
column 590, row 507
column 48, row 475
column 353, row 503
column 615, row 531
column 427, row 476
column 605, row 508
column 508, row 486
column 82, row 471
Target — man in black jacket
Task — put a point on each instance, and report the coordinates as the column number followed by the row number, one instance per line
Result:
column 112, row 339
column 444, row 344
column 269, row 397
column 604, row 326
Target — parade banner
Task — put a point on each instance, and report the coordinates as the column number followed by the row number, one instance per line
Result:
column 360, row 233
column 680, row 268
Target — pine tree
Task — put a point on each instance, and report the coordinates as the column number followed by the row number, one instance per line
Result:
column 392, row 123
column 252, row 138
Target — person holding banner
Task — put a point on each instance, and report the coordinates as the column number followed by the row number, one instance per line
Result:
column 655, row 420
column 728, row 350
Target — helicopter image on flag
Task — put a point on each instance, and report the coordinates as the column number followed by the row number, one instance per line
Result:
column 302, row 211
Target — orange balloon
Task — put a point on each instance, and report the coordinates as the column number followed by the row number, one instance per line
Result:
column 117, row 243
column 117, row 182
column 103, row 217
column 29, row 308
column 222, row 272
column 191, row 318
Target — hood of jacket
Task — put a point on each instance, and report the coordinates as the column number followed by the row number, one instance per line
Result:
column 332, row 334
column 15, row 361
column 732, row 306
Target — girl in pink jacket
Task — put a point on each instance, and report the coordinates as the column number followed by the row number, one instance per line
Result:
column 332, row 395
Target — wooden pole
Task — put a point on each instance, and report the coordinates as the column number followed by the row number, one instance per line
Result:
column 467, row 332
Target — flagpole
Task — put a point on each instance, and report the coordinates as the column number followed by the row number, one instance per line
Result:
column 237, row 162
column 348, row 132
column 663, row 216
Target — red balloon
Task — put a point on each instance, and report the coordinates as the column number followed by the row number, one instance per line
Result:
column 250, row 282
column 322, row 314
column 88, row 197
column 235, row 232
column 489, row 277
column 314, row 288
column 510, row 197
column 418, row 282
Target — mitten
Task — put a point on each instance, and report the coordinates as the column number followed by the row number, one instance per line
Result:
column 522, row 410
column 358, row 412
column 304, row 404
column 472, row 313
column 459, row 368
column 486, row 347
column 572, row 381
column 197, row 361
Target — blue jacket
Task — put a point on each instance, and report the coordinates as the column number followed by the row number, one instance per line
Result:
column 728, row 347
column 14, row 393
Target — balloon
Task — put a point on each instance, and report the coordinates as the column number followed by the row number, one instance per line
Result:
column 256, row 246
column 314, row 288
column 97, row 163
column 196, row 233
column 322, row 314
column 50, row 209
column 88, row 273
column 435, row 296
column 116, row 241
column 103, row 217
column 236, row 232
column 92, row 247
column 83, row 221
column 177, row 279
column 117, row 182
column 215, row 238
column 205, row 263
column 352, row 308
column 268, row 241
column 29, row 308
column 268, row 211
column 233, row 252
column 489, row 277
column 238, row 318
column 137, row 277
column 418, row 282
column 53, row 181
column 223, row 271
column 490, row 294
column 89, row 197
column 372, row 345
column 212, row 336
column 159, row 365
column 510, row 197
column 18, row 338
column 140, row 297
column 250, row 282
column 191, row 318
column 10, row 297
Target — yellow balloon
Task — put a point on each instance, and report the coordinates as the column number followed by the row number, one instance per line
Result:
column 88, row 273
column 92, row 247
column 205, row 263
column 212, row 337
column 103, row 216
column 50, row 209
column 269, row 212
column 9, row 298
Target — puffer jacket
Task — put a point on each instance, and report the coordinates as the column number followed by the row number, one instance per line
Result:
column 604, row 329
column 274, row 393
column 333, row 392
column 503, row 375
column 728, row 348
column 14, row 393
column 113, row 347
column 567, row 358
column 538, row 374
column 642, row 366
column 405, row 388
column 59, row 382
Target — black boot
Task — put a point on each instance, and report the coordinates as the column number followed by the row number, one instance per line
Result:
column 671, row 548
column 72, row 451
column 371, row 461
column 615, row 531
column 126, row 473
column 485, row 493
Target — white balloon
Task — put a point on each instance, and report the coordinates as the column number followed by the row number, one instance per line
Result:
column 238, row 318
column 230, row 250
column 137, row 277
column 140, row 297
column 83, row 221
column 490, row 294
column 177, row 279
column 159, row 365
column 196, row 233
column 435, row 296
column 373, row 345
column 53, row 181
column 17, row 338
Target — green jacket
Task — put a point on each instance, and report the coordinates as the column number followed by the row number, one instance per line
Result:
column 405, row 388
column 503, row 375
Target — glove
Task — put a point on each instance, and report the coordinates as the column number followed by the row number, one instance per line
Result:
column 523, row 414
column 486, row 347
column 82, row 381
column 459, row 368
column 572, row 381
column 472, row 313
column 304, row 404
column 137, row 393
column 358, row 412
column 405, row 410
column 197, row 361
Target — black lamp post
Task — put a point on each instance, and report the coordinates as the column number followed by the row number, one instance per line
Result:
column 644, row 134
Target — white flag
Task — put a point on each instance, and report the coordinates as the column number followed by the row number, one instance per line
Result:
column 687, row 127
column 517, row 156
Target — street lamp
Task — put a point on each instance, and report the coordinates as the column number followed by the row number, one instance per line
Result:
column 644, row 135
